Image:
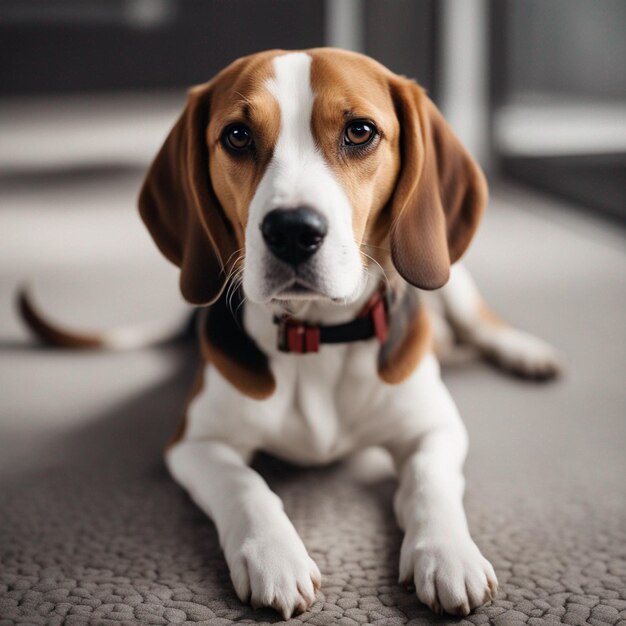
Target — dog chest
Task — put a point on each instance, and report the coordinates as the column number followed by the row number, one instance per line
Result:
column 321, row 408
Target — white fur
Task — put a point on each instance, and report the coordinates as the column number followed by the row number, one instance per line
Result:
column 298, row 175
column 326, row 405
column 511, row 348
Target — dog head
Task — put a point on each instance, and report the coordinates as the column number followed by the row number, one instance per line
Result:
column 291, row 170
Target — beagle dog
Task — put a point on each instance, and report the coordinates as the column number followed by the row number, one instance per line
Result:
column 309, row 199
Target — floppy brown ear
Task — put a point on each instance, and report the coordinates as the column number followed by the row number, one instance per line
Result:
column 178, row 205
column 440, row 195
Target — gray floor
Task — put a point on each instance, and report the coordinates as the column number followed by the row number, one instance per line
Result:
column 93, row 531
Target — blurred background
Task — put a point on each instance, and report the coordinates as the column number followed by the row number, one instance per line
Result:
column 536, row 89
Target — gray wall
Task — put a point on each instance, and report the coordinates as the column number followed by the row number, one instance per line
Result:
column 95, row 45
column 101, row 45
column 402, row 35
column 571, row 47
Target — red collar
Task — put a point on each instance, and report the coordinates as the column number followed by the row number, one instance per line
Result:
column 302, row 338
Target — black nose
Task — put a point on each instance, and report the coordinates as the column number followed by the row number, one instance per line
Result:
column 294, row 235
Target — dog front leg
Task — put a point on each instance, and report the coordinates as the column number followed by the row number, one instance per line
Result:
column 438, row 555
column 269, row 565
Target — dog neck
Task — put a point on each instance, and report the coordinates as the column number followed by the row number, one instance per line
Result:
column 241, row 340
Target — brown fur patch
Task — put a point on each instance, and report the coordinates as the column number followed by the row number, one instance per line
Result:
column 239, row 96
column 226, row 345
column 351, row 87
column 410, row 337
column 197, row 387
column 440, row 194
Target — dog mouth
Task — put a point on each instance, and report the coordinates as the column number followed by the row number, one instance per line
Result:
column 297, row 289
column 283, row 286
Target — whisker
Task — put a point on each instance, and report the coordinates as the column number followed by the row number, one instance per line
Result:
column 226, row 264
column 236, row 265
column 235, row 281
column 239, row 251
column 235, row 277
column 371, row 245
column 240, row 305
column 385, row 277
column 244, row 99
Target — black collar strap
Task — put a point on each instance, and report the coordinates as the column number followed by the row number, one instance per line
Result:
column 301, row 338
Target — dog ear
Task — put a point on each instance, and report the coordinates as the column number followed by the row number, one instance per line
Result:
column 178, row 205
column 440, row 195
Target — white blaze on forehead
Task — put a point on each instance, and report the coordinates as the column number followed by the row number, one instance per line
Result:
column 298, row 172
column 291, row 86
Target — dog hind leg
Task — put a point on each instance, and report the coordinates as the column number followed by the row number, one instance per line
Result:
column 474, row 324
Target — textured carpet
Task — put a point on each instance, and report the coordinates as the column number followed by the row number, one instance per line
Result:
column 92, row 530
column 100, row 543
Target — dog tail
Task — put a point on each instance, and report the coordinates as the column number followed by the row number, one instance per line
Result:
column 122, row 338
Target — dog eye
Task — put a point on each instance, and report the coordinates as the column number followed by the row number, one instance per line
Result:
column 238, row 137
column 359, row 133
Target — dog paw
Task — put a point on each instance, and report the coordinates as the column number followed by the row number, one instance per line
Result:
column 523, row 354
column 449, row 576
column 275, row 571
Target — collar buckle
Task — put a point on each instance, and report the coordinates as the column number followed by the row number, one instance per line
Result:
column 298, row 337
